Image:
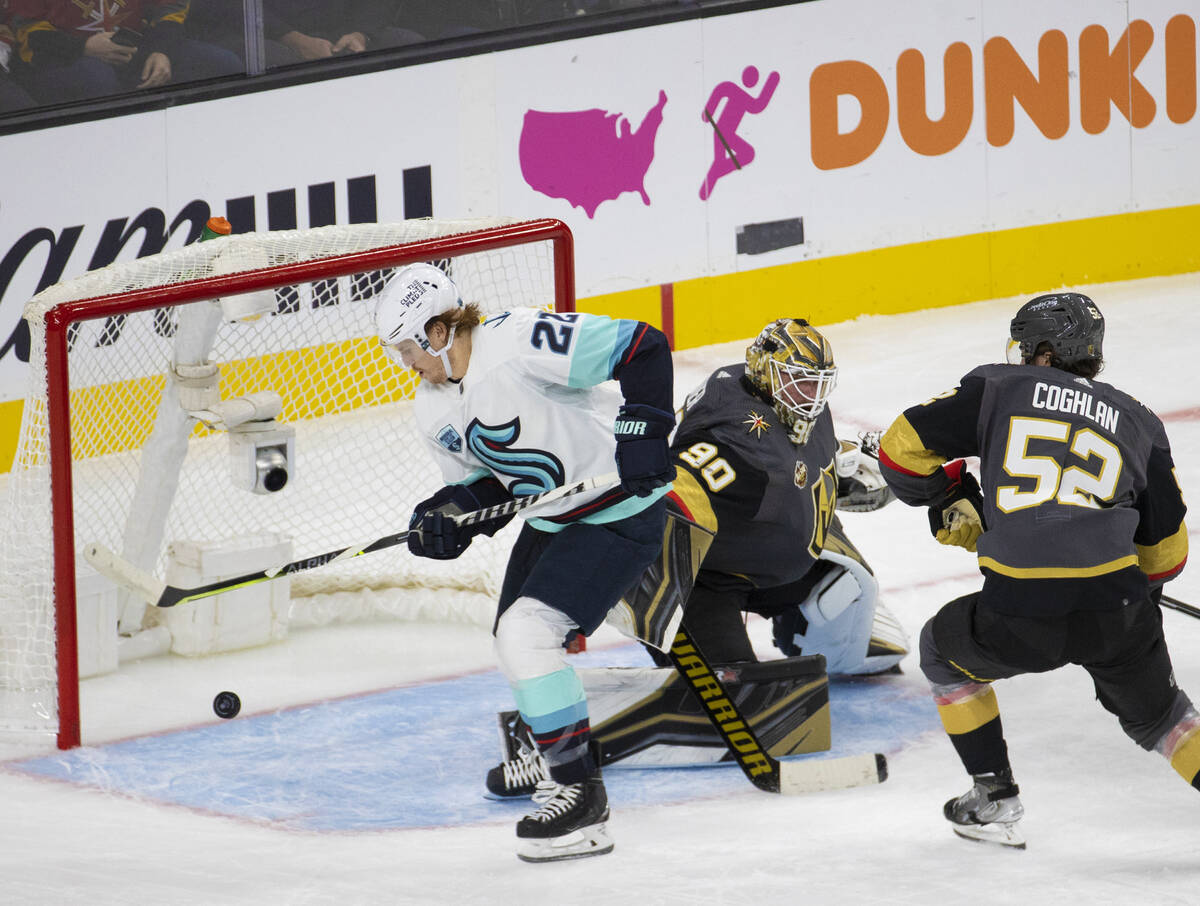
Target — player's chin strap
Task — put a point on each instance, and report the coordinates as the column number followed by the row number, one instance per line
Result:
column 155, row 591
column 444, row 352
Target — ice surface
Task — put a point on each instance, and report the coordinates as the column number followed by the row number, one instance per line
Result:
column 321, row 793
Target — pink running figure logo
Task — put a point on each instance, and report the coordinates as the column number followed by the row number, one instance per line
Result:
column 731, row 151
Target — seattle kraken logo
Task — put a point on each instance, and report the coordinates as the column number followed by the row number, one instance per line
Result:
column 534, row 471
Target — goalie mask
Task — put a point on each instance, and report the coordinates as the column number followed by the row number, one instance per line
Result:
column 1070, row 322
column 412, row 298
column 791, row 365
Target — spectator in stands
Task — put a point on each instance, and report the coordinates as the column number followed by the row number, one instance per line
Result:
column 222, row 22
column 452, row 18
column 71, row 51
column 11, row 95
column 316, row 29
column 298, row 31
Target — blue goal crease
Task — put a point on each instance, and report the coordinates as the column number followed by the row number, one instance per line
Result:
column 416, row 756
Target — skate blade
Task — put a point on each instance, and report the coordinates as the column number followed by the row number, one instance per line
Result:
column 580, row 844
column 506, row 797
column 998, row 834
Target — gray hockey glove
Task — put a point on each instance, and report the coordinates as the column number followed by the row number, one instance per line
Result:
column 958, row 518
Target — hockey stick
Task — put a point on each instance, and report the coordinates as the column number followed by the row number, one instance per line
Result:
column 157, row 592
column 1176, row 604
column 762, row 769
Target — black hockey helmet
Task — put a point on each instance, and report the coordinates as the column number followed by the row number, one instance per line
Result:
column 1070, row 322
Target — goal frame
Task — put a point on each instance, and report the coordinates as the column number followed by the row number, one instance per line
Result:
column 59, row 320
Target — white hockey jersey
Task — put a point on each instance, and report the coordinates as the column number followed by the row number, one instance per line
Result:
column 531, row 412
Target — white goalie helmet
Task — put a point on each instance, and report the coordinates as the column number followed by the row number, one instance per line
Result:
column 415, row 295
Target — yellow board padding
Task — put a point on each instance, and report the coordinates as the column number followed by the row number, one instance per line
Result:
column 970, row 713
column 643, row 304
column 10, row 431
column 892, row 280
column 347, row 375
column 1186, row 757
column 938, row 273
column 341, row 377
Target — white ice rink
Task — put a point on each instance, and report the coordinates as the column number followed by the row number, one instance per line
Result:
column 1106, row 822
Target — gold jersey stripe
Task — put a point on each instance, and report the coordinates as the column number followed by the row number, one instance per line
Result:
column 1166, row 556
column 1057, row 572
column 970, row 713
column 692, row 496
column 905, row 448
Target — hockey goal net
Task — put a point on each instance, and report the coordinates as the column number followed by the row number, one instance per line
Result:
column 110, row 453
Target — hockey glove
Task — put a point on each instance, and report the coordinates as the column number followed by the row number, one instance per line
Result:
column 643, row 456
column 861, row 487
column 433, row 532
column 958, row 518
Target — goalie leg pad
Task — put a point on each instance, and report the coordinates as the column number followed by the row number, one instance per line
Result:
column 652, row 610
column 650, row 716
column 842, row 619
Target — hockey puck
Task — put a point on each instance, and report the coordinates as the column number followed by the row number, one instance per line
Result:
column 227, row 705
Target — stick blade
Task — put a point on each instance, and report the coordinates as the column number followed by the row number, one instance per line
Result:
column 799, row 777
column 124, row 573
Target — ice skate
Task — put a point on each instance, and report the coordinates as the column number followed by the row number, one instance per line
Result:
column 518, row 778
column 989, row 811
column 570, row 824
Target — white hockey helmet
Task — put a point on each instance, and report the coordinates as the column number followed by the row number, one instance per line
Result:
column 415, row 295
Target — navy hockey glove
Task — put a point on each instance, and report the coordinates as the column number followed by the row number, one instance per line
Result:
column 958, row 518
column 643, row 456
column 433, row 532
column 436, row 535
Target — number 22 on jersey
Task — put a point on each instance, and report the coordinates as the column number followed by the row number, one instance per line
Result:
column 554, row 331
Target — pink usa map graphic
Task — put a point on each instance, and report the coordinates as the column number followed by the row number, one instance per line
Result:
column 588, row 157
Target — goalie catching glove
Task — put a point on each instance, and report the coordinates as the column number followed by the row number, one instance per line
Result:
column 643, row 455
column 958, row 518
column 433, row 532
column 861, row 487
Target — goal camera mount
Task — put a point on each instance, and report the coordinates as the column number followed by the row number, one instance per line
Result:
column 262, row 454
column 262, row 449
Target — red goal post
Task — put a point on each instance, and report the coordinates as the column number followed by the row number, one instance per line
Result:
column 114, row 361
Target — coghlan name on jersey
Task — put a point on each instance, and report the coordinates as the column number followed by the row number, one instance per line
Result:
column 1054, row 398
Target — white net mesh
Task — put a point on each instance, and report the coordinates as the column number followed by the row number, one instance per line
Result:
column 358, row 469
